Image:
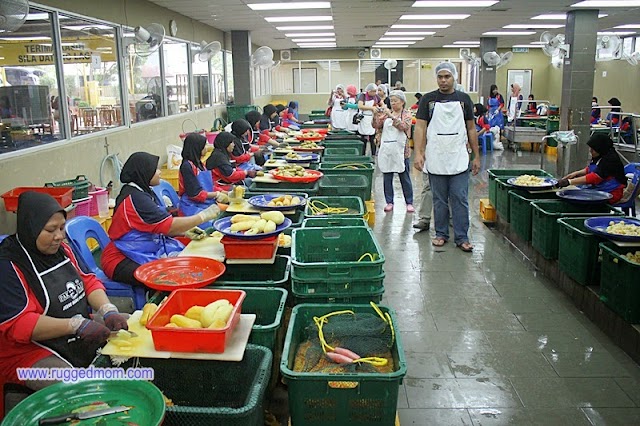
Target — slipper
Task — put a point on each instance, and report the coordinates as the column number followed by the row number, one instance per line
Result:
column 438, row 241
column 466, row 246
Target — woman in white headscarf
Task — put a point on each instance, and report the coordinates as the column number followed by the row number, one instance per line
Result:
column 515, row 102
column 338, row 115
column 368, row 104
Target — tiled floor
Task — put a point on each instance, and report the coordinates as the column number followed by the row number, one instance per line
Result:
column 487, row 341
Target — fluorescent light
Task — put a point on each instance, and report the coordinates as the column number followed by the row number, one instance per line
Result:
column 507, row 33
column 532, row 46
column 561, row 16
column 419, row 26
column 628, row 26
column 390, row 46
column 409, row 33
column 455, row 46
column 25, row 38
column 525, row 26
column 458, row 3
column 319, row 40
column 315, row 47
column 607, row 3
column 290, row 6
column 435, row 17
column 298, row 18
column 305, row 28
column 382, row 43
column 310, row 35
column 618, row 33
column 401, row 38
column 86, row 27
column 467, row 42
column 316, row 44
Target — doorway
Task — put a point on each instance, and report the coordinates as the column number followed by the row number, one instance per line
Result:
column 523, row 78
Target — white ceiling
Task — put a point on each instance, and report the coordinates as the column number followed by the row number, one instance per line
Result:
column 360, row 23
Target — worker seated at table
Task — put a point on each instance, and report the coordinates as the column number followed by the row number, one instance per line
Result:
column 245, row 158
column 261, row 137
column 604, row 173
column 532, row 107
column 482, row 124
column 288, row 117
column 44, row 308
column 141, row 228
column 195, row 188
column 595, row 112
column 613, row 117
column 219, row 162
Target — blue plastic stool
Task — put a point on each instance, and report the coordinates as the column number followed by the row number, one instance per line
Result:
column 165, row 188
column 484, row 139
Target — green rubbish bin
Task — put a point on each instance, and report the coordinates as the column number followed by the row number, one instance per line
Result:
column 235, row 112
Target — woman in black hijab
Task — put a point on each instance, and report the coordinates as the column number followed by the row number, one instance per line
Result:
column 245, row 157
column 195, row 183
column 604, row 173
column 219, row 162
column 261, row 137
column 140, row 227
column 46, row 296
column 269, row 117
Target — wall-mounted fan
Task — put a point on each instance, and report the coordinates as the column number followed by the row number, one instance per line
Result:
column 505, row 58
column 263, row 56
column 633, row 59
column 208, row 50
column 491, row 58
column 608, row 48
column 554, row 45
column 270, row 65
column 390, row 64
column 148, row 39
column 470, row 58
column 13, row 13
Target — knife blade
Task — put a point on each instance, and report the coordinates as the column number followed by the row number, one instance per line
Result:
column 65, row 418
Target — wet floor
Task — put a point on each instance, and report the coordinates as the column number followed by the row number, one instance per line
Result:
column 487, row 340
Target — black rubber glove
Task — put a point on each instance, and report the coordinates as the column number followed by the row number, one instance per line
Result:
column 562, row 183
column 93, row 332
column 114, row 321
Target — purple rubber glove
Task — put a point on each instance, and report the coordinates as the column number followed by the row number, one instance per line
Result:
column 114, row 321
column 93, row 332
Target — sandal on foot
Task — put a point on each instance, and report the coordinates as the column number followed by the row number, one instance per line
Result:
column 438, row 241
column 466, row 246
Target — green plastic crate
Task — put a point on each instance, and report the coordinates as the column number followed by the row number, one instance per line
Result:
column 358, row 145
column 315, row 125
column 345, row 185
column 502, row 198
column 333, row 222
column 246, row 275
column 339, row 168
column 342, row 136
column 236, row 112
column 212, row 392
column 619, row 287
column 354, row 205
column 578, row 251
column 341, row 151
column 356, row 298
column 317, row 111
column 358, row 159
column 341, row 132
column 80, row 185
column 340, row 290
column 544, row 224
column 257, row 188
column 507, row 173
column 318, row 116
column 314, row 398
column 321, row 253
column 520, row 210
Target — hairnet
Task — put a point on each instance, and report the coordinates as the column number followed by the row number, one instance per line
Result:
column 370, row 86
column 351, row 90
column 447, row 66
column 340, row 86
column 399, row 94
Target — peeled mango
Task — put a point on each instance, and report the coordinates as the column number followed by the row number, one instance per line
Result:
column 269, row 227
column 209, row 312
column 274, row 216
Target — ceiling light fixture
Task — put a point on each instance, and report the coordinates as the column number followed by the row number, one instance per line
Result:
column 532, row 46
column 434, row 17
column 561, row 16
column 455, row 46
column 312, row 40
column 389, row 46
column 420, row 26
column 394, row 42
column 305, row 28
column 466, row 42
column 618, row 33
column 316, row 45
column 457, row 3
column 628, row 26
column 409, row 33
column 508, row 33
column 310, row 34
column 383, row 38
column 540, row 26
column 607, row 3
column 298, row 18
column 290, row 6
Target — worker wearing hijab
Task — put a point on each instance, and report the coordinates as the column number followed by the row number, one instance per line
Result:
column 604, row 173
column 338, row 115
column 219, row 162
column 46, row 297
column 269, row 115
column 515, row 102
column 242, row 154
column 195, row 182
column 141, row 227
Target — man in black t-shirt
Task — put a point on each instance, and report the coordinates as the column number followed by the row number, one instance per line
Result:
column 444, row 129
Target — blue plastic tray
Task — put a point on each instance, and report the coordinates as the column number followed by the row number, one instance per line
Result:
column 548, row 184
column 309, row 158
column 261, row 201
column 598, row 225
column 584, row 196
column 223, row 225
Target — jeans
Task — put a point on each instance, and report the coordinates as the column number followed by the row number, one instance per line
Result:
column 426, row 202
column 405, row 182
column 453, row 188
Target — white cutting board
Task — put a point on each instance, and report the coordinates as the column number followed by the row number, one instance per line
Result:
column 208, row 247
column 143, row 344
column 265, row 179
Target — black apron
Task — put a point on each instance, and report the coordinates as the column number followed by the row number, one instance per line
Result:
column 62, row 295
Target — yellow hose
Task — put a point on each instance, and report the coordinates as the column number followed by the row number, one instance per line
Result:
column 319, row 208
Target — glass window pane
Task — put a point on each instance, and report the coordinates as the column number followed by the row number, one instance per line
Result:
column 28, row 85
column 176, row 72
column 343, row 72
column 144, row 84
column 637, row 46
column 229, row 77
column 91, row 75
column 217, row 78
column 281, row 78
column 410, row 70
column 201, row 81
column 627, row 44
column 372, row 70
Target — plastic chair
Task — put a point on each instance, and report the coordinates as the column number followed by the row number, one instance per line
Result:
column 165, row 188
column 2, row 237
column 629, row 207
column 484, row 139
column 79, row 230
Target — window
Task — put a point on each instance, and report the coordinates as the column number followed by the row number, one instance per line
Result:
column 411, row 70
column 144, row 84
column 201, row 81
column 176, row 73
column 342, row 72
column 217, row 78
column 90, row 68
column 637, row 45
column 627, row 45
column 368, row 72
column 29, row 85
column 229, row 77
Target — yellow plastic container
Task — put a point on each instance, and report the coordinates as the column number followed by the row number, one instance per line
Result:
column 487, row 211
column 171, row 176
column 370, row 215
column 551, row 150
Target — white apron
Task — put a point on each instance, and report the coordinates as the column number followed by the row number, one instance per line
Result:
column 391, row 151
column 338, row 115
column 446, row 152
column 351, row 112
column 366, row 124
column 513, row 106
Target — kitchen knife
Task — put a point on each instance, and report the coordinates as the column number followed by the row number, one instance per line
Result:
column 114, row 334
column 65, row 418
